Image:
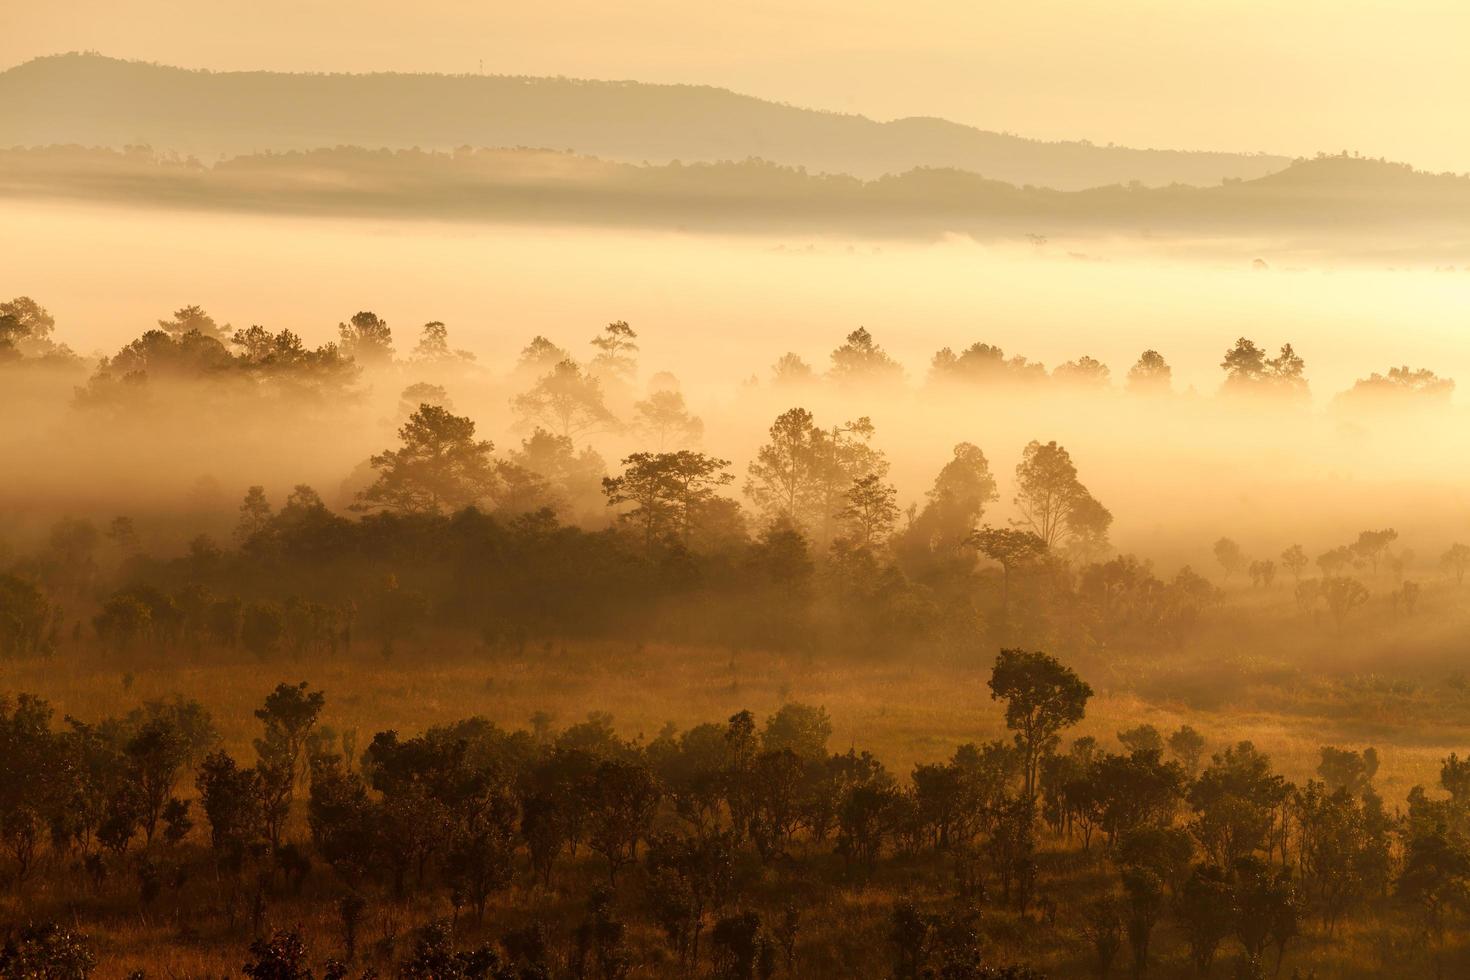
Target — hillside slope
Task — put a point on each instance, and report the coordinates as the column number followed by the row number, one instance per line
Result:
column 97, row 101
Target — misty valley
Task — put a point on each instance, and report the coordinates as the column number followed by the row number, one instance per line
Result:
column 500, row 527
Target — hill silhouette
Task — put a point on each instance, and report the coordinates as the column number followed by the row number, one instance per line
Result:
column 1326, row 194
column 92, row 100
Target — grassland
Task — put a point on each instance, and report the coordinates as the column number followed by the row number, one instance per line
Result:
column 907, row 711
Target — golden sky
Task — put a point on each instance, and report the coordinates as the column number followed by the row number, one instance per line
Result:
column 1384, row 77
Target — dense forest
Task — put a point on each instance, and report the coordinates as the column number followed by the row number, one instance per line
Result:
column 537, row 712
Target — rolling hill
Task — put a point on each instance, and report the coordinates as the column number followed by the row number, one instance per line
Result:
column 91, row 100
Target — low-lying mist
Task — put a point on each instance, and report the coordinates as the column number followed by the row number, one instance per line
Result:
column 1176, row 471
column 717, row 310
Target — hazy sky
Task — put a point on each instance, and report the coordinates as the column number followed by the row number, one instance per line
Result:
column 1386, row 77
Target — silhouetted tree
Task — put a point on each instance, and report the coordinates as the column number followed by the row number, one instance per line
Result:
column 1249, row 371
column 1085, row 372
column 616, row 357
column 433, row 347
column 1262, row 573
column 1342, row 595
column 1142, row 738
column 1372, row 545
column 1294, row 560
column 1150, row 375
column 540, row 356
column 870, row 513
column 28, row 619
column 156, row 753
column 1230, row 557
column 984, row 364
column 193, row 319
column 622, row 799
column 956, row 502
column 1207, row 911
column 255, row 514
column 423, row 393
column 790, row 369
column 288, row 716
column 1435, row 881
column 860, row 360
column 566, row 401
column 441, row 466
column 1187, row 745
column 1042, row 697
column 1012, row 548
column 1235, row 801
column 1456, row 560
column 1401, row 387
column 1052, row 501
column 664, row 418
column 366, row 339
column 783, row 478
column 46, row 952
column 26, row 327
column 1144, row 904
column 669, row 491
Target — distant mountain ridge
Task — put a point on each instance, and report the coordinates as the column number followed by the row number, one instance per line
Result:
column 92, row 100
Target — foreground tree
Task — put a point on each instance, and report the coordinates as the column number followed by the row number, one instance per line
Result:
column 1042, row 697
column 1236, row 801
column 1207, row 911
column 1435, row 882
column 288, row 716
column 46, row 952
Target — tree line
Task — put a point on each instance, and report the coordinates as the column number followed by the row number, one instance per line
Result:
column 569, row 398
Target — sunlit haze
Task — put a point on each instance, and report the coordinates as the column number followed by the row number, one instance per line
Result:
column 667, row 491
